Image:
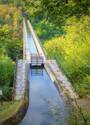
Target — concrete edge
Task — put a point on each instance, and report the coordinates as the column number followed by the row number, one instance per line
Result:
column 61, row 86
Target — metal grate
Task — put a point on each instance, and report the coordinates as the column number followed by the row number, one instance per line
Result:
column 37, row 60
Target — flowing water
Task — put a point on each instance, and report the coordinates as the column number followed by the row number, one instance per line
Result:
column 31, row 45
column 46, row 106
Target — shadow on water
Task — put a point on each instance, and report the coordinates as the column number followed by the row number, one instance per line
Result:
column 46, row 106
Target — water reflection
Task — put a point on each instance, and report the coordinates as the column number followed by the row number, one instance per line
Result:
column 36, row 71
column 46, row 107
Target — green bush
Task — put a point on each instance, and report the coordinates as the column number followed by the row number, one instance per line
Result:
column 6, row 71
column 14, row 49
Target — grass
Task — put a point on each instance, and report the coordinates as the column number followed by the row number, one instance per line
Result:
column 76, row 117
column 7, row 109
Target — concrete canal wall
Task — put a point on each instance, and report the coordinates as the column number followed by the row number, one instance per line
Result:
column 60, row 80
column 21, row 79
column 21, row 94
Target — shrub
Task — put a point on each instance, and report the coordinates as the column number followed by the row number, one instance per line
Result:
column 6, row 71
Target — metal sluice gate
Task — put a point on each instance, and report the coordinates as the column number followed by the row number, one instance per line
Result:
column 37, row 60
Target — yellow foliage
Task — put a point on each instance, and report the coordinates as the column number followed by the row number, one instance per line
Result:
column 10, row 12
column 72, row 51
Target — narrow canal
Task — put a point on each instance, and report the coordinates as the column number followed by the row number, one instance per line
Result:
column 31, row 45
column 46, row 106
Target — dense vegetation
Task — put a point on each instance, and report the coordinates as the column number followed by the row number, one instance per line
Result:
column 10, row 45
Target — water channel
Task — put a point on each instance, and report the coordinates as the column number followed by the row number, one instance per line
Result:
column 46, row 106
